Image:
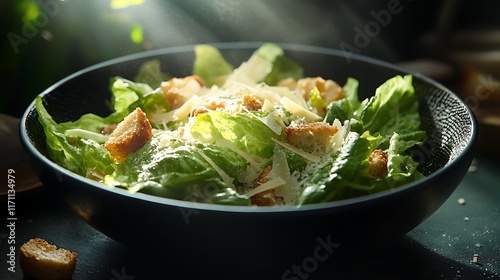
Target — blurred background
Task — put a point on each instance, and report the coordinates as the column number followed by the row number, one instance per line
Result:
column 456, row 42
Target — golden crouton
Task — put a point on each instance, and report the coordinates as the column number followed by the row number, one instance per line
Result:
column 250, row 103
column 329, row 90
column 246, row 103
column 178, row 90
column 207, row 106
column 314, row 138
column 377, row 164
column 290, row 83
column 43, row 261
column 129, row 135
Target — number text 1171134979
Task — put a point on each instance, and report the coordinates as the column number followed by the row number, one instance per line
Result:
column 11, row 220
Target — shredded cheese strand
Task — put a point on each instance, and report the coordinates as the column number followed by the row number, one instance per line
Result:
column 269, row 185
column 298, row 110
column 306, row 155
column 230, row 145
column 78, row 132
column 226, row 178
column 135, row 188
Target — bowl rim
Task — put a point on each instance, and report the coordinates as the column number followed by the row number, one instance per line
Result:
column 350, row 202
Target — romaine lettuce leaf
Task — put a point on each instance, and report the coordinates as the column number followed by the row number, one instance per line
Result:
column 181, row 171
column 339, row 109
column 267, row 64
column 246, row 132
column 401, row 167
column 210, row 65
column 282, row 67
column 345, row 108
column 92, row 122
column 390, row 121
column 346, row 175
column 152, row 102
column 342, row 174
column 350, row 90
column 82, row 156
column 127, row 97
column 126, row 92
column 151, row 74
column 393, row 108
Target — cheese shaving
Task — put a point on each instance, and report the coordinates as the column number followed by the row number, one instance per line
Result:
column 269, row 185
column 298, row 110
column 230, row 145
column 226, row 178
column 305, row 155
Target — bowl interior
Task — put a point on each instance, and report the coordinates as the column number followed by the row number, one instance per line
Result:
column 449, row 123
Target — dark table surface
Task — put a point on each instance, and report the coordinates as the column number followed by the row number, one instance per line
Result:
column 442, row 247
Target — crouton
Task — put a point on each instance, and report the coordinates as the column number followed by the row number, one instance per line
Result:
column 290, row 83
column 314, row 138
column 245, row 104
column 209, row 105
column 250, row 103
column 178, row 90
column 265, row 198
column 129, row 135
column 329, row 90
column 41, row 260
column 377, row 164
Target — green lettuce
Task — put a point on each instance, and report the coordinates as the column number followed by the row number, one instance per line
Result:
column 246, row 132
column 230, row 146
column 150, row 73
column 126, row 92
column 210, row 65
column 76, row 145
column 181, row 171
column 390, row 121
column 152, row 102
column 126, row 97
column 343, row 174
column 345, row 108
column 393, row 108
column 282, row 66
column 267, row 64
column 401, row 167
column 89, row 126
column 81, row 155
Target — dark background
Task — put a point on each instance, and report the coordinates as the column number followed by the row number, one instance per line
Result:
column 44, row 41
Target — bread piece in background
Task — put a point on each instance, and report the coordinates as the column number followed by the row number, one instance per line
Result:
column 44, row 261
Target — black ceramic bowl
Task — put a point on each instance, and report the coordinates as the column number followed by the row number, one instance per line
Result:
column 239, row 236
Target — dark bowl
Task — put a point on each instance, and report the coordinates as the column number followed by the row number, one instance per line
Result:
column 243, row 237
